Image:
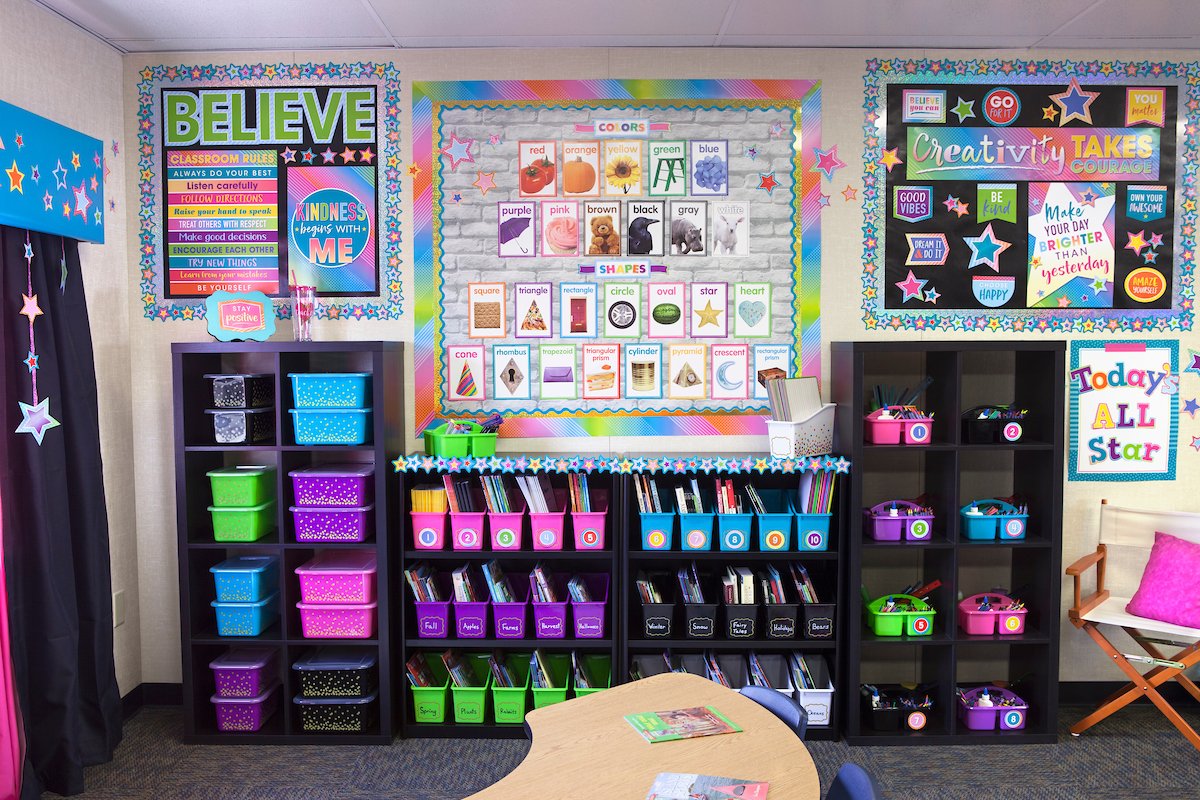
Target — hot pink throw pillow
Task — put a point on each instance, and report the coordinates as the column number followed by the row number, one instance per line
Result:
column 1170, row 587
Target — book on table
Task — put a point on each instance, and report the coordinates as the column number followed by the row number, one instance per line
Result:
column 681, row 723
column 692, row 786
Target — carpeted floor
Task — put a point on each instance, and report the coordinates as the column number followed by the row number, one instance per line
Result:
column 1135, row 755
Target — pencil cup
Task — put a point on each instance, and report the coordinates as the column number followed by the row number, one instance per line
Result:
column 775, row 525
column 504, row 529
column 429, row 530
column 547, row 528
column 812, row 532
column 508, row 619
column 696, row 530
column 589, row 617
column 588, row 526
column 734, row 531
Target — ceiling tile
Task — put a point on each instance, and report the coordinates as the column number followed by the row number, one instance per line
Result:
column 257, row 43
column 1120, row 20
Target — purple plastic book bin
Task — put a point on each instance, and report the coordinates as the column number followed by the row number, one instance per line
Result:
column 550, row 619
column 588, row 526
column 547, row 528
column 245, row 671
column 338, row 577
column 433, row 616
column 589, row 617
column 884, row 527
column 505, row 529
column 995, row 620
column 471, row 616
column 466, row 528
column 508, row 619
column 245, row 714
column 333, row 524
column 429, row 530
column 1008, row 712
column 333, row 485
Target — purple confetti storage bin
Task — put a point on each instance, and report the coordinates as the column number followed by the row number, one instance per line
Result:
column 350, row 621
column 589, row 617
column 433, row 616
column 505, row 530
column 245, row 714
column 547, row 528
column 429, row 530
column 328, row 485
column 588, row 526
column 338, row 577
column 550, row 619
column 333, row 524
column 1008, row 718
column 245, row 671
column 508, row 619
column 471, row 616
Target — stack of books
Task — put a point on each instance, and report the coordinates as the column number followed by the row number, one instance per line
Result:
column 728, row 501
column 578, row 590
column 464, row 586
column 498, row 586
column 647, row 590
column 539, row 672
column 581, row 499
column 501, row 674
column 802, row 676
column 713, row 668
column 647, row 495
column 737, row 585
column 538, row 493
column 497, row 494
column 459, row 496
column 772, row 586
column 804, row 584
column 461, row 675
column 418, row 671
column 423, row 582
column 429, row 500
column 689, row 584
column 541, row 585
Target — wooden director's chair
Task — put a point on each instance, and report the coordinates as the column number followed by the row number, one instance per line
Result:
column 1126, row 537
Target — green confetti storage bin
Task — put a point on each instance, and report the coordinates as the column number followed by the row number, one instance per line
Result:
column 242, row 486
column 248, row 524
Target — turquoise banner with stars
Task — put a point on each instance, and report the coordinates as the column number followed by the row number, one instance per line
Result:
column 53, row 178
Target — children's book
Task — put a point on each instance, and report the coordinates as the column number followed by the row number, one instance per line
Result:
column 690, row 786
column 682, row 723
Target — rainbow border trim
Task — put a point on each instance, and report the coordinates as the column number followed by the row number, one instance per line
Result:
column 667, row 465
column 383, row 75
column 882, row 72
column 803, row 97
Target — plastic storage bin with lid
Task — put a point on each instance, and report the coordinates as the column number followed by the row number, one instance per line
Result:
column 245, row 671
column 337, row 714
column 245, row 579
column 338, row 577
column 242, row 523
column 333, row 524
column 242, row 390
column 246, row 619
column 985, row 520
column 245, row 714
column 337, row 672
column 325, row 390
column 240, row 486
column 242, row 426
column 333, row 485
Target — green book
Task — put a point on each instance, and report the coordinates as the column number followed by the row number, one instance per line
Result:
column 683, row 723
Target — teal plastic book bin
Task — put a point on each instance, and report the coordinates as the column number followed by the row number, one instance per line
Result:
column 658, row 528
column 812, row 532
column 734, row 531
column 696, row 530
column 990, row 519
column 775, row 526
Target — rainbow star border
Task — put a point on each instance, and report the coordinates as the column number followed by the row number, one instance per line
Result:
column 150, row 239
column 793, row 96
column 617, row 465
column 882, row 72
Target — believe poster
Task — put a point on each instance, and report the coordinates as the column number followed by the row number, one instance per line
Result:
column 1124, row 410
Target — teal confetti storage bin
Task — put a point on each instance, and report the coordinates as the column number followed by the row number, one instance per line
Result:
column 330, row 389
column 245, row 579
column 344, row 426
column 246, row 619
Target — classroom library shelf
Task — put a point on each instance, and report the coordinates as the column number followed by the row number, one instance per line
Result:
column 196, row 454
column 957, row 467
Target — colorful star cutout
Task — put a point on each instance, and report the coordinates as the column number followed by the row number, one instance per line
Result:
column 823, row 200
column 828, row 161
column 327, row 155
column 1193, row 361
column 950, row 202
column 96, row 159
column 986, row 249
column 752, row 152
column 964, row 109
column 850, row 193
column 289, row 155
column 31, row 362
column 1075, row 103
column 708, row 315
column 1155, row 241
column 35, row 174
column 48, row 201
column 962, row 209
column 15, row 178
column 29, row 307
column 28, row 255
column 60, row 176
column 36, row 419
column 766, row 180
column 116, row 148
column 1150, row 257
column 1136, row 242
column 82, row 201
column 20, row 140
column 484, row 181
column 415, row 170
column 456, row 197
column 777, row 129
column 458, row 151
column 912, row 287
column 366, row 155
column 1098, row 285
column 1064, row 302
column 307, row 156
column 1191, row 407
column 890, row 159
column 932, row 295
column 347, row 155
column 495, row 139
column 1196, row 443
column 75, row 160
column 1050, row 112
column 1088, row 198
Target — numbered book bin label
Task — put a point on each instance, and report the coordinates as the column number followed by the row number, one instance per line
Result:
column 775, row 540
column 813, row 540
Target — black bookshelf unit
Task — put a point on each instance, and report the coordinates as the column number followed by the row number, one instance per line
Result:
column 951, row 472
column 196, row 454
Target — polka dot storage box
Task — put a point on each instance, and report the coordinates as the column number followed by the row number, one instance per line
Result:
column 351, row 621
column 245, row 579
column 344, row 426
column 333, row 524
column 246, row 426
column 246, row 619
column 242, row 390
column 240, row 486
column 338, row 577
column 245, row 714
column 337, row 714
column 337, row 672
column 330, row 389
column 333, row 485
column 245, row 671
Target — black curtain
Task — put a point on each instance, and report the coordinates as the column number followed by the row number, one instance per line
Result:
column 55, row 524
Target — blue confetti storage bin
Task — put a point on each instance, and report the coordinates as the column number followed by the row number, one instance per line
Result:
column 346, row 426
column 245, row 579
column 330, row 389
column 246, row 619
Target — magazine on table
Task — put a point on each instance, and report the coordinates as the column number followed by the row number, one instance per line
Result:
column 690, row 786
column 682, row 723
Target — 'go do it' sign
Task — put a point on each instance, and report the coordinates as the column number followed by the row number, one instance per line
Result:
column 1124, row 411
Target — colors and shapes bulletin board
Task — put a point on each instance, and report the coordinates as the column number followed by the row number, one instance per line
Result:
column 614, row 257
column 1030, row 195
column 1124, row 410
column 254, row 177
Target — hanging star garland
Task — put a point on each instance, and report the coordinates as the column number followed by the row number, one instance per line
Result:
column 35, row 416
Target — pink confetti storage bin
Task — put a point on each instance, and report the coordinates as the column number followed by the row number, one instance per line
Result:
column 547, row 528
column 338, row 577
column 245, row 671
column 588, row 526
column 351, row 621
column 429, row 530
column 245, row 714
column 333, row 524
column 329, row 485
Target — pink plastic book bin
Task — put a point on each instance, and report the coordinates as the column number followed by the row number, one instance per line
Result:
column 1007, row 717
column 550, row 619
column 338, row 577
column 888, row 430
column 994, row 621
column 508, row 619
column 429, row 530
column 505, row 529
column 588, row 526
column 589, row 617
column 466, row 529
column 547, row 528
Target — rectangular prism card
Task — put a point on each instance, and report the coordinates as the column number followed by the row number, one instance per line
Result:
column 770, row 356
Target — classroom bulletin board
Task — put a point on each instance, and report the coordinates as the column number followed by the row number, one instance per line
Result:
column 1030, row 195
column 614, row 257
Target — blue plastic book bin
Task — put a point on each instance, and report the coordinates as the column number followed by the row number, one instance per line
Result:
column 734, row 531
column 696, row 530
column 775, row 526
column 812, row 532
column 658, row 527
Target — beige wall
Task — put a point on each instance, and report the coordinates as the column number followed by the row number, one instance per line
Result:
column 52, row 68
column 840, row 72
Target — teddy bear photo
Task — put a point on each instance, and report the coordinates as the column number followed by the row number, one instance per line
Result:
column 605, row 240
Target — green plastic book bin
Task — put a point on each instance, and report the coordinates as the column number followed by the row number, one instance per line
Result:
column 242, row 486
column 459, row 445
column 247, row 524
column 508, row 705
column 470, row 702
column 915, row 622
column 429, row 702
column 599, row 669
column 559, row 666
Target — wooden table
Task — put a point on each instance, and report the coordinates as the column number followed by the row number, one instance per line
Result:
column 585, row 748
